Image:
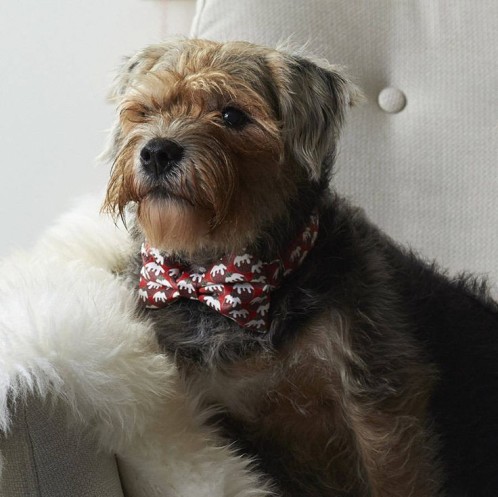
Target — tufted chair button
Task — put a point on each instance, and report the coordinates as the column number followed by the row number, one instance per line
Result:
column 392, row 100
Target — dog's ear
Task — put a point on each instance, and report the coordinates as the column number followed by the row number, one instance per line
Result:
column 128, row 72
column 121, row 79
column 114, row 96
column 135, row 66
column 313, row 98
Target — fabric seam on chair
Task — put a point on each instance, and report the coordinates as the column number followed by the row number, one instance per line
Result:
column 32, row 451
column 198, row 14
column 120, row 476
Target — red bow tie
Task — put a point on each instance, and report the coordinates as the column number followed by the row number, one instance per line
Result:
column 238, row 287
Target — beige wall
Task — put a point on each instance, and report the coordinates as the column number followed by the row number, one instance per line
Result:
column 178, row 16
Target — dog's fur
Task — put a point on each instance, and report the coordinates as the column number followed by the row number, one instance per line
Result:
column 379, row 375
column 68, row 336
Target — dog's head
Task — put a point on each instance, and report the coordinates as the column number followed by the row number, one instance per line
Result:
column 213, row 141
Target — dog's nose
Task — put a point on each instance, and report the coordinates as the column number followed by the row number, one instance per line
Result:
column 159, row 155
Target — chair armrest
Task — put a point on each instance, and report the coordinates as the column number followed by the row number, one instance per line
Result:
column 44, row 457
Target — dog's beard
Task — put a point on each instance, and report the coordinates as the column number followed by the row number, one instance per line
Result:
column 172, row 223
column 187, row 211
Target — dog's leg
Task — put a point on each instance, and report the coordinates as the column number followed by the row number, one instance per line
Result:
column 384, row 405
column 368, row 434
column 396, row 455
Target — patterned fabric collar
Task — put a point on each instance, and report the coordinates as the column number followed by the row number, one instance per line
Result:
column 237, row 286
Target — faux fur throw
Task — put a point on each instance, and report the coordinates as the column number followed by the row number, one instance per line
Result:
column 67, row 332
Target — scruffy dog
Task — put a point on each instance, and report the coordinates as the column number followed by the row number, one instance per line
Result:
column 345, row 364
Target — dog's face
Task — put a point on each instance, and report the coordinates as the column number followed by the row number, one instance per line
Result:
column 214, row 140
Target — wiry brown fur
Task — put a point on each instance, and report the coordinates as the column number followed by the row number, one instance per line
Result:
column 342, row 396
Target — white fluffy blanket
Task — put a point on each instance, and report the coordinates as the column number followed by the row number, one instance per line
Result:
column 67, row 331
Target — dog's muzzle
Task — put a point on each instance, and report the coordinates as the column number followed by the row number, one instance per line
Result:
column 159, row 155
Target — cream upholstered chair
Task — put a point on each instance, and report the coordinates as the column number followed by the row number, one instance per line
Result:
column 43, row 457
column 421, row 156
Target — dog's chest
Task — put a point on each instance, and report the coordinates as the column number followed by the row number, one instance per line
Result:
column 286, row 413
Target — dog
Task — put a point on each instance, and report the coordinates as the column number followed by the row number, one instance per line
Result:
column 346, row 364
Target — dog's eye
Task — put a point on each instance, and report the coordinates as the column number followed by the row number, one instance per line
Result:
column 234, row 118
column 136, row 114
column 144, row 112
